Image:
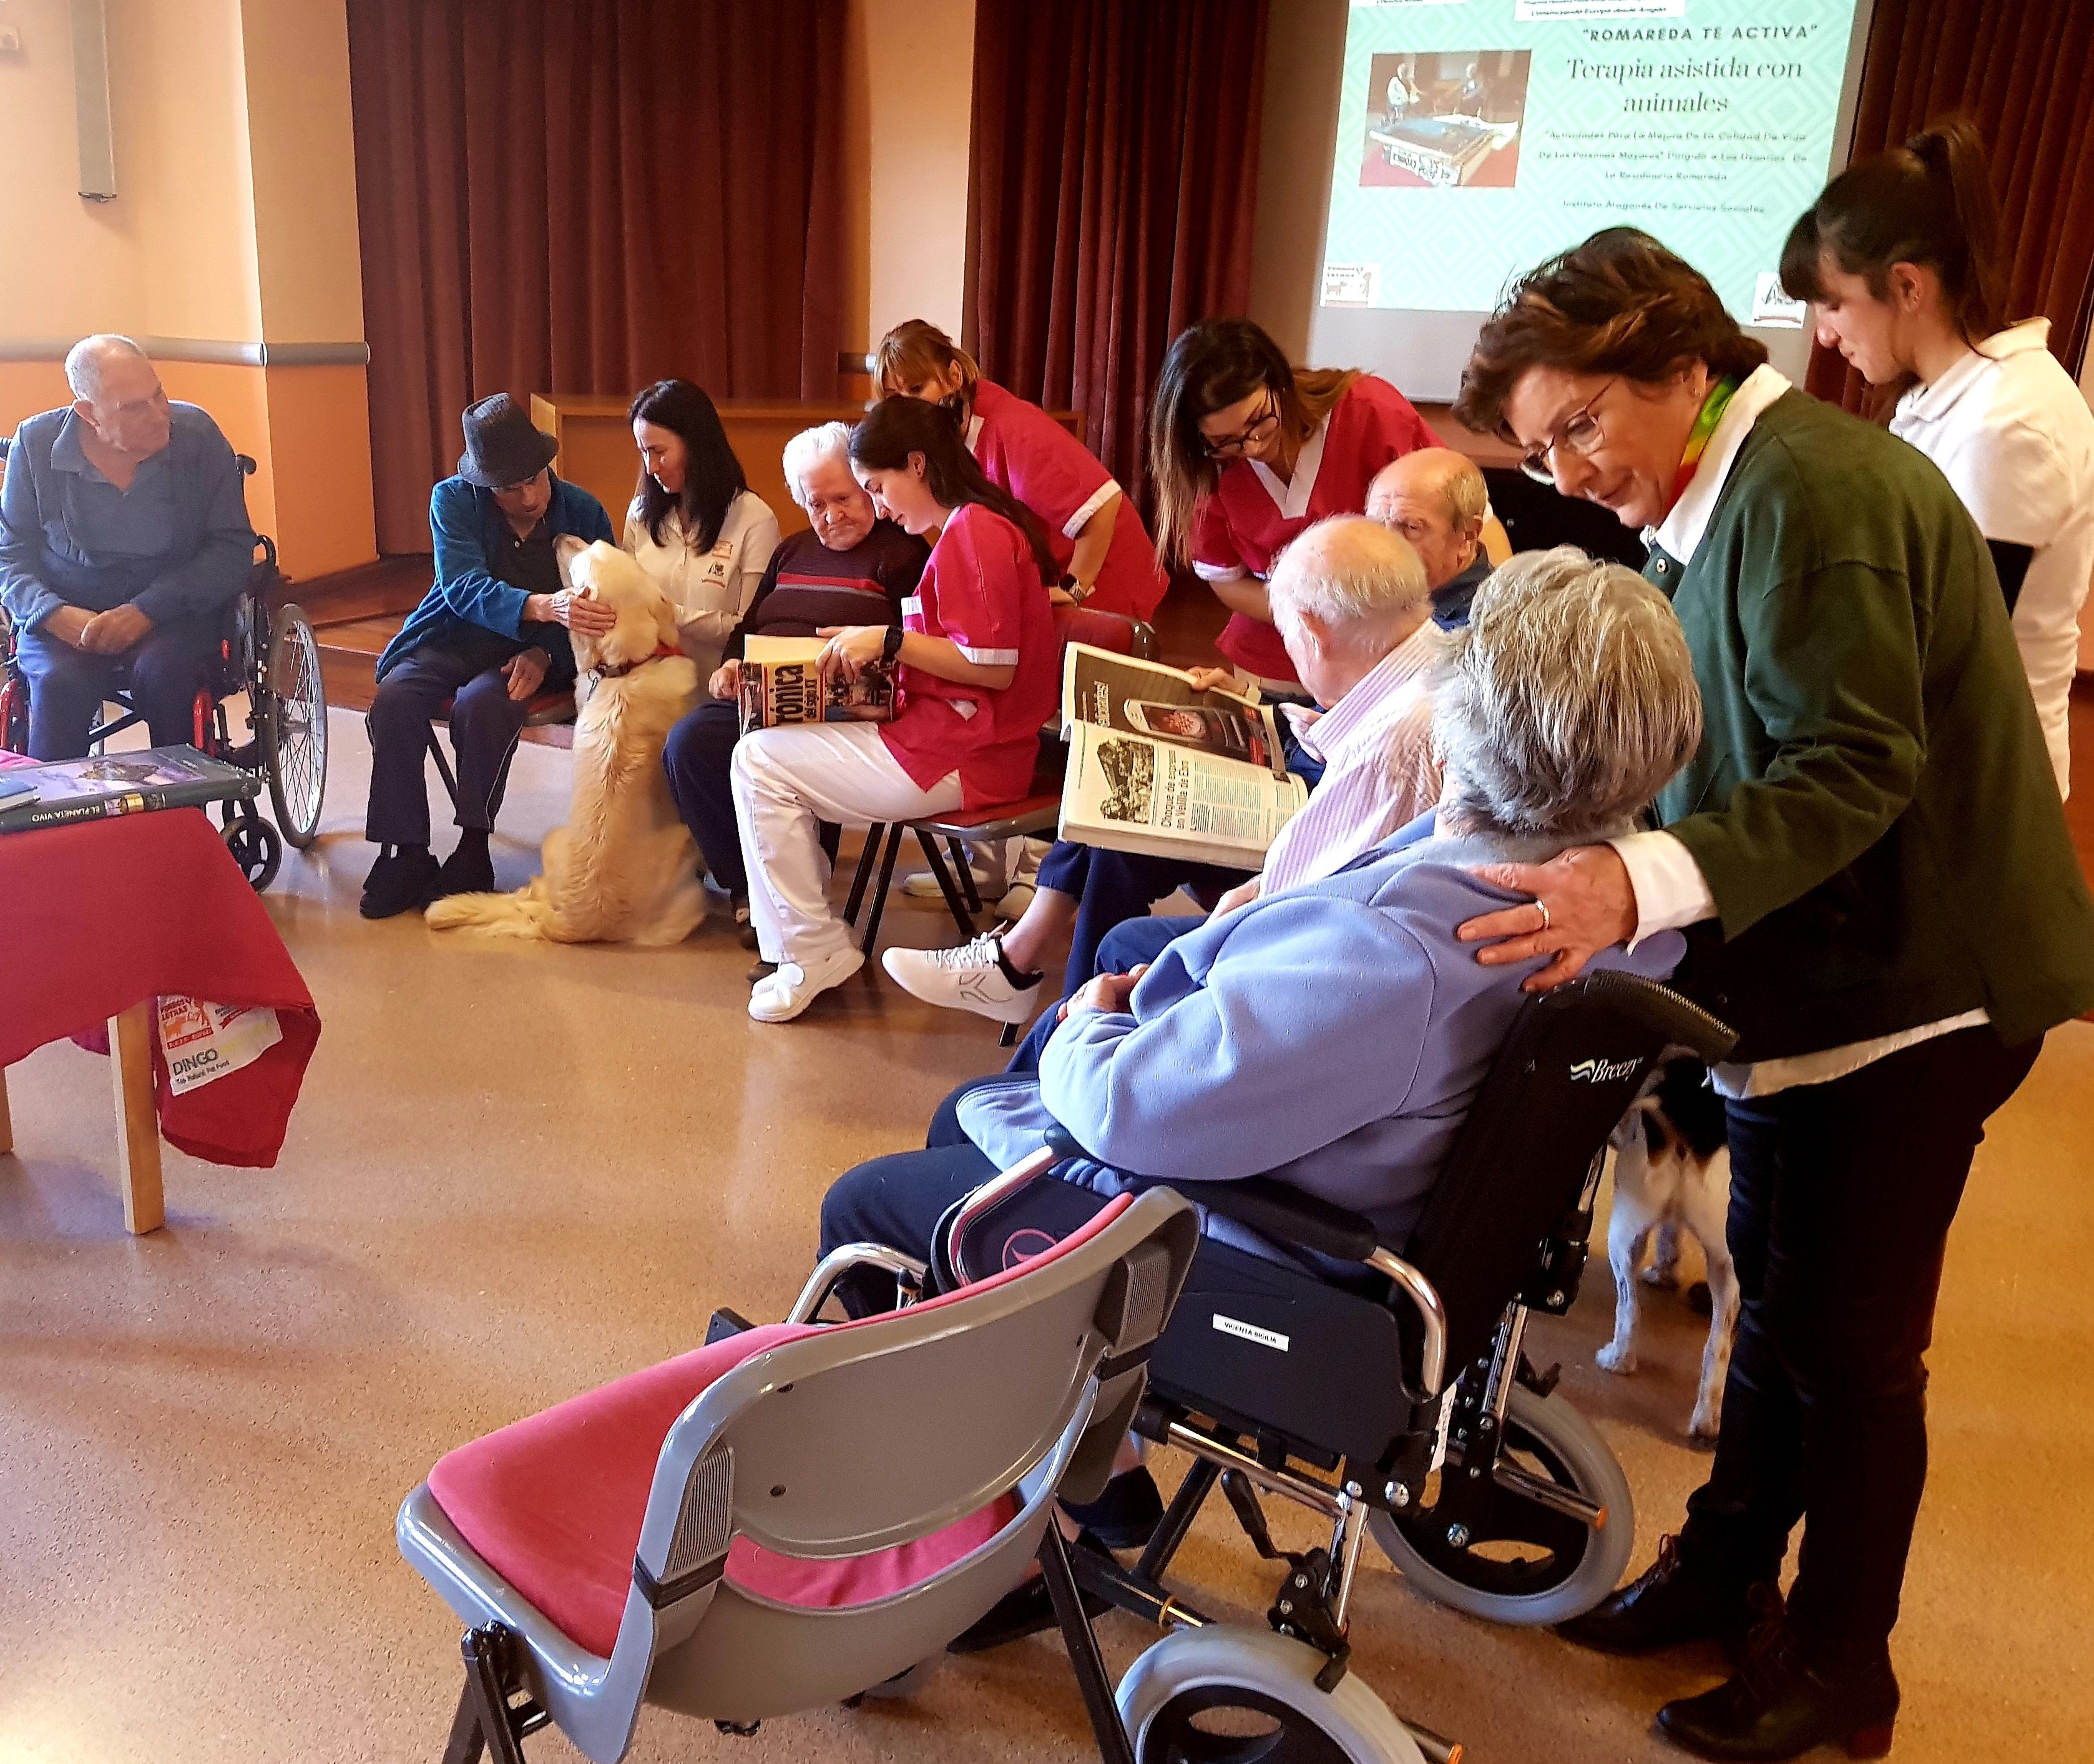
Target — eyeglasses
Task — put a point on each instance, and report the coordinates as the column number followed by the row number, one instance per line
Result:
column 1580, row 433
column 1231, row 446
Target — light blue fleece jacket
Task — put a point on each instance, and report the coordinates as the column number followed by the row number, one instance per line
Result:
column 1333, row 1036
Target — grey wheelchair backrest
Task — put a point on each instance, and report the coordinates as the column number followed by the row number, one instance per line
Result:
column 1572, row 1064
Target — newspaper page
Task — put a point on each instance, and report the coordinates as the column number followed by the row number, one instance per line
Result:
column 204, row 1042
column 781, row 685
column 1116, row 692
column 1130, row 792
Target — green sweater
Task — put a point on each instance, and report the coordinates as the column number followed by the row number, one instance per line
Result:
column 1872, row 805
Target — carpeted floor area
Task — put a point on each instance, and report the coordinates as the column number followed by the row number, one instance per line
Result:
column 517, row 1171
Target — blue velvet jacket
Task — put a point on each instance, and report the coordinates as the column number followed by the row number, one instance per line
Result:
column 467, row 523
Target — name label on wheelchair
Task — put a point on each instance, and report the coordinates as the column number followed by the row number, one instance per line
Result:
column 1244, row 1332
column 1601, row 1071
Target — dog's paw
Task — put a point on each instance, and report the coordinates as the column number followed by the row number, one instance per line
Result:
column 1664, row 1273
column 1706, row 1423
column 1611, row 1359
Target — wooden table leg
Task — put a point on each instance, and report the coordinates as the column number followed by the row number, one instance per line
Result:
column 137, row 1125
column 6, row 1120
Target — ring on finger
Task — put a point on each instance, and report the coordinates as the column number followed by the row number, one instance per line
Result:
column 1543, row 907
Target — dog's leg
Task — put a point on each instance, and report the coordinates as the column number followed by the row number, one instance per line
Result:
column 1711, row 1208
column 1627, row 1230
column 1664, row 1268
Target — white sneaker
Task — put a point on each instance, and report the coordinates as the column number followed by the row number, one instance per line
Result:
column 782, row 994
column 921, row 888
column 970, row 978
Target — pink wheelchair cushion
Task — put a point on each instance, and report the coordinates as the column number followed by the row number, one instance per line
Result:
column 554, row 1504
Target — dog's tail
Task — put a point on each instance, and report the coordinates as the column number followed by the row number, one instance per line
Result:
column 525, row 914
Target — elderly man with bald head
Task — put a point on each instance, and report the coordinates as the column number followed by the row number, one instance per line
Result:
column 124, row 535
column 1435, row 500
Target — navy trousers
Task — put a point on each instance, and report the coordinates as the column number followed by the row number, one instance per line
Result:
column 1126, row 948
column 1112, row 886
column 163, row 670
column 485, row 723
column 699, row 757
column 1841, row 1198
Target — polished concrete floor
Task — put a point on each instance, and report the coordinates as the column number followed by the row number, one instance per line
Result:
column 517, row 1170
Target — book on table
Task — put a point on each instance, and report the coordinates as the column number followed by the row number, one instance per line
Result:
column 1160, row 766
column 131, row 782
column 782, row 685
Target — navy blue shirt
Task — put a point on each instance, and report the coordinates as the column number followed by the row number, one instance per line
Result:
column 175, row 545
column 1451, row 598
column 477, row 554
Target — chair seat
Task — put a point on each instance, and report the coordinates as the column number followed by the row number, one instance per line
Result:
column 554, row 1504
column 995, row 820
column 548, row 704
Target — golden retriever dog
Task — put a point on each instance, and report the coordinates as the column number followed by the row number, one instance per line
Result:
column 624, row 869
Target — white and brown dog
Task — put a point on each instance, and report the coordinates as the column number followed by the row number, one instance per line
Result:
column 1672, row 1170
column 624, row 869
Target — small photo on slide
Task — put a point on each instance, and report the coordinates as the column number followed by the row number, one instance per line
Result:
column 1450, row 120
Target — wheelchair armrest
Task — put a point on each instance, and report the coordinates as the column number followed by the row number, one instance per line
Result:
column 1271, row 1209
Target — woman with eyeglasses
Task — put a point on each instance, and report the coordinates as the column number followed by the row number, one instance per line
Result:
column 1245, row 451
column 1101, row 550
column 1870, row 858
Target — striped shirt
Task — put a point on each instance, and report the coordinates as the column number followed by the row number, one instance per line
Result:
column 1380, row 769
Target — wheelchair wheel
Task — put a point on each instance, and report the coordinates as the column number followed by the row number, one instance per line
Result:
column 256, row 848
column 1227, row 1695
column 293, row 727
column 1521, row 1562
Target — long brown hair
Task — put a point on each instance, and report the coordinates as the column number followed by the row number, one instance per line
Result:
column 1212, row 365
column 1929, row 202
column 896, row 427
column 1620, row 303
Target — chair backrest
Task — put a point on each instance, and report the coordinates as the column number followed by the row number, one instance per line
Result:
column 1573, row 1063
column 1113, row 630
column 875, row 1435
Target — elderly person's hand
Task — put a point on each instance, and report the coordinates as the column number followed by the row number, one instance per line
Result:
column 525, row 671
column 1584, row 903
column 113, row 631
column 1108, row 993
column 726, row 682
column 578, row 612
column 68, row 625
column 1219, row 679
column 1241, row 895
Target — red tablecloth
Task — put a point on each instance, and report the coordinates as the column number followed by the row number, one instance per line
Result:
column 98, row 915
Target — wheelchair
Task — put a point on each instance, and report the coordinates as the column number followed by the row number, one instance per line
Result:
column 1385, row 1387
column 272, row 656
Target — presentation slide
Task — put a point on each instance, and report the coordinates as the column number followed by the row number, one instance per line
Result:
column 1476, row 137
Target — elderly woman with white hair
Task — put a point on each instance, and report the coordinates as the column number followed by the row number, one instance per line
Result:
column 848, row 568
column 1335, row 1034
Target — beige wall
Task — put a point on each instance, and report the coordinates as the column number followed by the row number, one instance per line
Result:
column 909, row 97
column 1304, row 48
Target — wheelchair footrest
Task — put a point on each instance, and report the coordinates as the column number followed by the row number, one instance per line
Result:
column 726, row 1322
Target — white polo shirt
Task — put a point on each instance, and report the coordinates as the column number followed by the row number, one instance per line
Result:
column 2015, row 438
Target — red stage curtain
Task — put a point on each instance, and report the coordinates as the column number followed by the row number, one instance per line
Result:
column 584, row 196
column 2020, row 72
column 1113, row 173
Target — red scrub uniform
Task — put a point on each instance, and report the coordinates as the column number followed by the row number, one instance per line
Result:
column 1252, row 515
column 1025, row 451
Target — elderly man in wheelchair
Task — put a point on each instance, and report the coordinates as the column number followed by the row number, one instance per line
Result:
column 1395, row 1151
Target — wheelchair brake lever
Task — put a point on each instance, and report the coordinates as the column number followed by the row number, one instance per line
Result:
column 1250, row 1515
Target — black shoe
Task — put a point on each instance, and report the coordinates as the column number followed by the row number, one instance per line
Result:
column 1779, row 1705
column 1027, row 1609
column 1126, row 1515
column 467, row 871
column 760, row 970
column 403, row 878
column 743, row 929
column 1673, row 1602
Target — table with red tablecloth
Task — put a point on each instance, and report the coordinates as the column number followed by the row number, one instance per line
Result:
column 98, row 920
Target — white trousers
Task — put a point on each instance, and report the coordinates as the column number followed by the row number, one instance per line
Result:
column 786, row 781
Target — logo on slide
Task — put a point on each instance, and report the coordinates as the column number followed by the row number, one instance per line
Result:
column 1771, row 306
column 1601, row 1071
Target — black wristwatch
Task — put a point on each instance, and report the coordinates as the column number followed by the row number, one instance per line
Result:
column 890, row 646
column 1073, row 588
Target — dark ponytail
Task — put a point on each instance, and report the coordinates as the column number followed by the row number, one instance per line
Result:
column 1929, row 202
column 897, row 427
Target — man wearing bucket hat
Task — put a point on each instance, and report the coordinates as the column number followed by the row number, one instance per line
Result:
column 487, row 637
